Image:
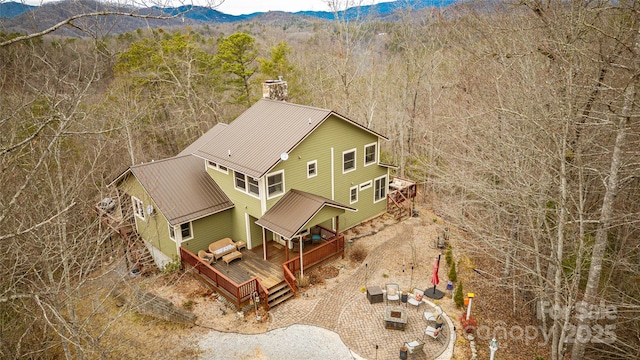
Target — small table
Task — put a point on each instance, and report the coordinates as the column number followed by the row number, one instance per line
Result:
column 395, row 318
column 241, row 245
column 232, row 256
column 374, row 294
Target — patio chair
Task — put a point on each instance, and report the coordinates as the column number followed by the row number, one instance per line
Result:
column 393, row 293
column 435, row 315
column 316, row 236
column 432, row 332
column 205, row 256
column 415, row 346
column 415, row 298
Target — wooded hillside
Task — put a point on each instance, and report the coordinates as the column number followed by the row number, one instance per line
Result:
column 519, row 119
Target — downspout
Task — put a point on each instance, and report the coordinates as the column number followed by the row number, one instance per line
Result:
column 333, row 184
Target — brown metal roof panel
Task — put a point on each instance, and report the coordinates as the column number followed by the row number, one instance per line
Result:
column 294, row 210
column 254, row 141
column 213, row 132
column 181, row 188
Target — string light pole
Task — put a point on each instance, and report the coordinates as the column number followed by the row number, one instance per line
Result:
column 493, row 346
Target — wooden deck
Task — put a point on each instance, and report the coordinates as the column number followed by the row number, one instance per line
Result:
column 252, row 264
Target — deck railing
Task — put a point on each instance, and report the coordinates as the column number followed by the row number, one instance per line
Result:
column 289, row 278
column 238, row 294
column 312, row 257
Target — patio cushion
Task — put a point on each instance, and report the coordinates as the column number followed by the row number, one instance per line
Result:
column 224, row 249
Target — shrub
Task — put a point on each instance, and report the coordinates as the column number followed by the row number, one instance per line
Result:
column 358, row 252
column 188, row 305
column 453, row 275
column 458, row 298
column 302, row 281
column 448, row 256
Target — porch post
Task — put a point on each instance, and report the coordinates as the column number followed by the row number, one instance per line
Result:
column 301, row 262
column 264, row 243
column 286, row 256
column 337, row 224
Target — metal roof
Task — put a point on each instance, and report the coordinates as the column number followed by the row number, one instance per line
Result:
column 202, row 140
column 291, row 213
column 181, row 188
column 253, row 142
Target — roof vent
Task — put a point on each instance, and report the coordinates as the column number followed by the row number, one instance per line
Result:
column 229, row 152
column 275, row 89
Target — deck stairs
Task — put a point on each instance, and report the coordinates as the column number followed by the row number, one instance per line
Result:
column 279, row 293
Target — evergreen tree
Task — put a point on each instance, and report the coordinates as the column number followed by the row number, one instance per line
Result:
column 458, row 298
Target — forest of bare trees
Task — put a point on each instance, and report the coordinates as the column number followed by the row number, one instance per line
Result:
column 519, row 119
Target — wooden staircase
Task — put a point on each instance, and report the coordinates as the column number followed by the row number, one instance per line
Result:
column 138, row 255
column 279, row 293
column 400, row 198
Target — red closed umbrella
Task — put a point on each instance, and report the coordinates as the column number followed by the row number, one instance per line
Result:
column 434, row 278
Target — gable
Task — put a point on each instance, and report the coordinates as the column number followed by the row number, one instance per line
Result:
column 254, row 142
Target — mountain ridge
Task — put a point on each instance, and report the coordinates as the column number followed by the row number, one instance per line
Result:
column 12, row 9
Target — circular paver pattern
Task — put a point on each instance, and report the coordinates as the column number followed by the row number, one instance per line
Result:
column 345, row 310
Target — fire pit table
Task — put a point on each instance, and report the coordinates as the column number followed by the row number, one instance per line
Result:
column 395, row 318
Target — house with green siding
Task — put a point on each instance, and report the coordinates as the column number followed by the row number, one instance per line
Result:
column 270, row 176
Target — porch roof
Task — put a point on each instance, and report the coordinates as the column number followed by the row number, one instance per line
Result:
column 291, row 213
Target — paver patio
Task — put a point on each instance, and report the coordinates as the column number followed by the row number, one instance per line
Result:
column 345, row 310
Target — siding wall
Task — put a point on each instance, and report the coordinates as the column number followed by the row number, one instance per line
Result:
column 208, row 230
column 244, row 204
column 342, row 136
column 155, row 228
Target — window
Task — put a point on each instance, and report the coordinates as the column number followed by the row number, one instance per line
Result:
column 353, row 194
column 365, row 185
column 185, row 231
column 380, row 188
column 253, row 186
column 370, row 154
column 348, row 160
column 240, row 181
column 275, row 184
column 138, row 207
column 312, row 168
column 246, row 184
column 218, row 167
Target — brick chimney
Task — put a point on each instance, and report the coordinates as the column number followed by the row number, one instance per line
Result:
column 275, row 89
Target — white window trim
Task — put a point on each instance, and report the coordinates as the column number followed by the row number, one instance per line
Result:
column 190, row 232
column 224, row 171
column 246, row 184
column 269, row 196
column 138, row 208
column 217, row 166
column 375, row 154
column 385, row 189
column 235, row 185
column 351, row 201
column 355, row 160
column 174, row 232
column 178, row 230
column 315, row 162
column 365, row 185
column 257, row 184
